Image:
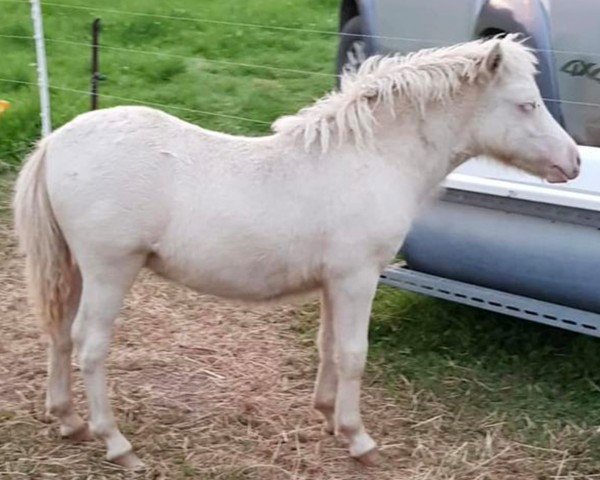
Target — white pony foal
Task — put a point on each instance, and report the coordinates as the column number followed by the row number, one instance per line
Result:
column 322, row 204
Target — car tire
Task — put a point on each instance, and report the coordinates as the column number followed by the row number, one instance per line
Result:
column 352, row 50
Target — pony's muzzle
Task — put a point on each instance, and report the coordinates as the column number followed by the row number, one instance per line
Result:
column 562, row 171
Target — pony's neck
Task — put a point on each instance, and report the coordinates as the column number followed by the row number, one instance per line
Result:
column 434, row 143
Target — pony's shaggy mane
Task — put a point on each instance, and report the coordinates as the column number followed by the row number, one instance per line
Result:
column 419, row 78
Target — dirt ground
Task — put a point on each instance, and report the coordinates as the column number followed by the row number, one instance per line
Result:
column 205, row 389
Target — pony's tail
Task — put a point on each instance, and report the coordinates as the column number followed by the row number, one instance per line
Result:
column 50, row 271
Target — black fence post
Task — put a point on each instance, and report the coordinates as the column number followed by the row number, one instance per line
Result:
column 96, row 25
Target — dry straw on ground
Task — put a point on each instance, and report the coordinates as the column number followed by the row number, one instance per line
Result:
column 208, row 390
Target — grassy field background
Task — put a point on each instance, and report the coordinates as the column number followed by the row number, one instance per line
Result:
column 194, row 82
column 540, row 384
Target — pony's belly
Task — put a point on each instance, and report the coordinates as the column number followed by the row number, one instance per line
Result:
column 236, row 279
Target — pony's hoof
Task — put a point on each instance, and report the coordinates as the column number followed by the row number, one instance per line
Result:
column 129, row 461
column 82, row 434
column 372, row 458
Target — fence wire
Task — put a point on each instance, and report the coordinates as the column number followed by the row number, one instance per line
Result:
column 173, row 55
column 206, row 112
column 219, row 61
column 139, row 101
column 428, row 41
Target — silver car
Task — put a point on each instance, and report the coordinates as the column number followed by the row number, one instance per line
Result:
column 498, row 239
column 565, row 34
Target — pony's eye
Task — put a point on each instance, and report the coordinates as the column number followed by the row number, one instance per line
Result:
column 528, row 106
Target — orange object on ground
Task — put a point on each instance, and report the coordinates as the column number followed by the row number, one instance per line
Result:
column 4, row 106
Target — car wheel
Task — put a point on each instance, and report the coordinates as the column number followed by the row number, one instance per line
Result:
column 352, row 50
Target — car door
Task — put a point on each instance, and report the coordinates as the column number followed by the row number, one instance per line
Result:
column 576, row 43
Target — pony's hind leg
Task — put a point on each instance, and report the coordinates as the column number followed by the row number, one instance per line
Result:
column 59, row 399
column 105, row 283
column 326, row 384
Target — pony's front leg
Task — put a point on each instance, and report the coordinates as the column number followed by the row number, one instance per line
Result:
column 351, row 298
column 326, row 385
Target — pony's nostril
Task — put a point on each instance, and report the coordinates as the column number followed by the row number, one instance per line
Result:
column 578, row 161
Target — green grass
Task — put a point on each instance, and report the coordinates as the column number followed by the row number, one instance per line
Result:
column 543, row 381
column 193, row 82
column 542, row 378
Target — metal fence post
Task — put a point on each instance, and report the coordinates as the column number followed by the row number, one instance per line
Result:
column 96, row 26
column 42, row 68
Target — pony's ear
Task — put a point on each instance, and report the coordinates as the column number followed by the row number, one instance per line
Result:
column 493, row 60
column 370, row 93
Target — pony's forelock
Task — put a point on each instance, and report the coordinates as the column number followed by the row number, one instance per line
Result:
column 419, row 78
